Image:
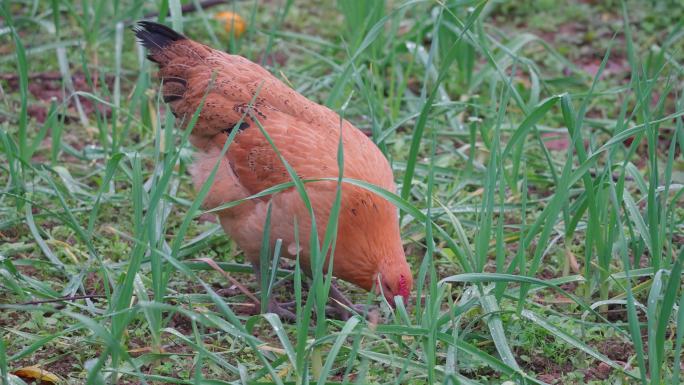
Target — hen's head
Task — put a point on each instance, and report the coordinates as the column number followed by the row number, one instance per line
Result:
column 395, row 279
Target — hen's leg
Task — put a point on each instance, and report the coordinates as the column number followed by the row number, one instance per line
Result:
column 273, row 305
column 340, row 303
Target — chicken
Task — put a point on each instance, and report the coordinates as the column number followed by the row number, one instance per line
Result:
column 368, row 250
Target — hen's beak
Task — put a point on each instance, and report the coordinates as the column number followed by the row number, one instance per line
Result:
column 390, row 299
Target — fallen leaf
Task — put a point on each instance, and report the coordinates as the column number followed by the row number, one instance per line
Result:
column 36, row 373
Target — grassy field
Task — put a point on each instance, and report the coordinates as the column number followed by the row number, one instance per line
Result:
column 537, row 147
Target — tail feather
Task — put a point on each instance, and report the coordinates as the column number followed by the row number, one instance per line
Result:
column 155, row 36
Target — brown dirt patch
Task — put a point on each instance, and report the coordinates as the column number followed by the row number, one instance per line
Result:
column 547, row 370
column 181, row 323
column 46, row 86
column 600, row 372
column 615, row 349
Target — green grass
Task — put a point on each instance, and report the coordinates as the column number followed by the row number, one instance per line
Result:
column 537, row 150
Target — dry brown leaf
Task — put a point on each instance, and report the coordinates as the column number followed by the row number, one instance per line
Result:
column 36, row 373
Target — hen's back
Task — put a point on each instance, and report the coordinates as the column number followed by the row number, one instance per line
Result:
column 307, row 134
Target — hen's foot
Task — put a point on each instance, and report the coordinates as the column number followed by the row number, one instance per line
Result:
column 281, row 310
column 344, row 312
column 341, row 305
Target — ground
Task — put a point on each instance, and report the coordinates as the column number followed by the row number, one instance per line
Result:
column 538, row 157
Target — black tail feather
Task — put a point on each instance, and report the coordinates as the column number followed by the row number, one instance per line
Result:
column 155, row 36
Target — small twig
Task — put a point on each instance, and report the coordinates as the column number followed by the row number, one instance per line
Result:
column 187, row 8
column 65, row 299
